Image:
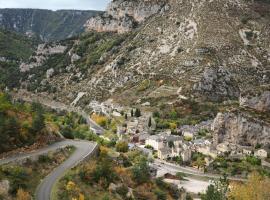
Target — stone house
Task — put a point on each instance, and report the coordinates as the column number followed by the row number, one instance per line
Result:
column 164, row 153
column 132, row 127
column 155, row 141
column 247, row 150
column 223, row 148
column 261, row 153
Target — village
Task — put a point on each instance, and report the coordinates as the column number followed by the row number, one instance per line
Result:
column 192, row 146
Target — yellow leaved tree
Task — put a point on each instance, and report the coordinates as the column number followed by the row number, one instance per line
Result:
column 256, row 188
column 23, row 195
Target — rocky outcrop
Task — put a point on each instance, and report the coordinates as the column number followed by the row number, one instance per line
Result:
column 42, row 53
column 106, row 23
column 260, row 102
column 217, row 84
column 123, row 15
column 4, row 187
column 138, row 9
column 240, row 129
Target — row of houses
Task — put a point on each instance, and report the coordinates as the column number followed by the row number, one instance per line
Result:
column 240, row 151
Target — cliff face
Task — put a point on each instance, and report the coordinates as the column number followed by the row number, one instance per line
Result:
column 203, row 50
column 123, row 15
column 241, row 129
column 138, row 9
column 45, row 24
column 259, row 102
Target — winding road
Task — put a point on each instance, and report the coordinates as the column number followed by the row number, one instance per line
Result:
column 55, row 105
column 84, row 150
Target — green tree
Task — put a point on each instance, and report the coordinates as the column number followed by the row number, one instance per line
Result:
column 38, row 122
column 217, row 191
column 141, row 171
column 150, row 122
column 137, row 112
column 67, row 132
column 160, row 195
column 171, row 144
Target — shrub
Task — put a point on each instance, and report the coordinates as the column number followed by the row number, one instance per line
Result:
column 67, row 132
column 160, row 195
column 122, row 146
column 253, row 160
column 122, row 190
column 44, row 158
column 137, row 112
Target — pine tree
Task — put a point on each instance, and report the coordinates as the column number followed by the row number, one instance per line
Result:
column 150, row 122
column 137, row 112
column 38, row 122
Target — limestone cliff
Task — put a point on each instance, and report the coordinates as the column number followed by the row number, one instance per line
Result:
column 239, row 128
column 260, row 102
column 123, row 15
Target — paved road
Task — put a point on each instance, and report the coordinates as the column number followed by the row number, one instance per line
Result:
column 171, row 168
column 83, row 150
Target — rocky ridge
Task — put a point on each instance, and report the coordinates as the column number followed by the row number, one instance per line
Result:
column 122, row 15
column 45, row 24
column 215, row 60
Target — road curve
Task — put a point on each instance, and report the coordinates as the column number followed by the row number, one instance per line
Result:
column 172, row 168
column 83, row 150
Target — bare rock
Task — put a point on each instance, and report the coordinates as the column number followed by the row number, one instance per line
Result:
column 217, row 84
column 260, row 102
column 241, row 129
column 4, row 187
column 49, row 73
column 122, row 16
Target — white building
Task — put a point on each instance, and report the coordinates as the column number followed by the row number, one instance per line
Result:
column 261, row 153
column 155, row 141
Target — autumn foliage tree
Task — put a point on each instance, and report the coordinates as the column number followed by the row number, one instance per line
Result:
column 256, row 188
column 23, row 195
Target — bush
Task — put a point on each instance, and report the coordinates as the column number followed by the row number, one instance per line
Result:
column 141, row 171
column 122, row 146
column 44, row 158
column 137, row 112
column 253, row 160
column 122, row 190
column 160, row 195
column 67, row 132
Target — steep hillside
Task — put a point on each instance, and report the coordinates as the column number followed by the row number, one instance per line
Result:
column 21, row 125
column 14, row 48
column 204, row 50
column 46, row 24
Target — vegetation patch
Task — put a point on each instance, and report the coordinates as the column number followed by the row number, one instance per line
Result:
column 24, row 179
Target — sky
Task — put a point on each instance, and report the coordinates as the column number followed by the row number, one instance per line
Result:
column 56, row 4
